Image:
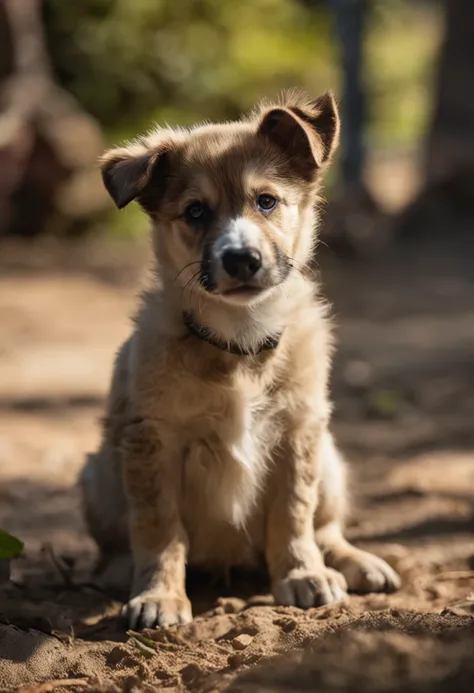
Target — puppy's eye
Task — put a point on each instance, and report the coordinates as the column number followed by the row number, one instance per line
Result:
column 196, row 211
column 266, row 203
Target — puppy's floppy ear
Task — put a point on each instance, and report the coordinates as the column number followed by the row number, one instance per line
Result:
column 127, row 173
column 307, row 131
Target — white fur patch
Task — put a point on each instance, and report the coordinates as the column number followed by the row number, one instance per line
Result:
column 246, row 454
column 240, row 233
column 225, row 471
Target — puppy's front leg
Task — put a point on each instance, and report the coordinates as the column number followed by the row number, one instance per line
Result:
column 158, row 538
column 299, row 576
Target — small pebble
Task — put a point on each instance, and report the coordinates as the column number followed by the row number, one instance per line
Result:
column 230, row 605
column 240, row 642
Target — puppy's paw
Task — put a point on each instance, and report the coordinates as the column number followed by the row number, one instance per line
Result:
column 149, row 610
column 306, row 589
column 365, row 573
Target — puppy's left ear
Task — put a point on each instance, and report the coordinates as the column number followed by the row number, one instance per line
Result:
column 306, row 131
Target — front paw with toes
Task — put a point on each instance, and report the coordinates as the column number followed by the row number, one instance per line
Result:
column 306, row 589
column 149, row 610
column 366, row 573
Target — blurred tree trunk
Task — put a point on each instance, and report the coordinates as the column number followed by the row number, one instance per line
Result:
column 354, row 224
column 450, row 146
column 447, row 198
column 48, row 145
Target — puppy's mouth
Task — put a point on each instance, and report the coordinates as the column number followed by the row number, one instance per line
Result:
column 243, row 290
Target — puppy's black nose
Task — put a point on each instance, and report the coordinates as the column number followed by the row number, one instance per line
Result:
column 242, row 263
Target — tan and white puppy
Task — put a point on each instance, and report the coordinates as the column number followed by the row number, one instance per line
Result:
column 216, row 449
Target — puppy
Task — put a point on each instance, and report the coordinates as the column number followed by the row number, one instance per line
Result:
column 216, row 449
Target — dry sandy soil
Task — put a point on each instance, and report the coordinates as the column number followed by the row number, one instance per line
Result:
column 404, row 393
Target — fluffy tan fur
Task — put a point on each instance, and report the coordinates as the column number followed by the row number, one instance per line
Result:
column 208, row 457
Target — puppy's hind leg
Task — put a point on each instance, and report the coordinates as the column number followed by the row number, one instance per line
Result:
column 105, row 511
column 363, row 571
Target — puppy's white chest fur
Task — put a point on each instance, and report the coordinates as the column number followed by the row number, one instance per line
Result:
column 225, row 461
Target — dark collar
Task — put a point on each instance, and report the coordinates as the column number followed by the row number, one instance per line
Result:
column 231, row 347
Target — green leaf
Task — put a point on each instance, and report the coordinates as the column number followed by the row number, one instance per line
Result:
column 144, row 645
column 10, row 547
column 143, row 639
column 385, row 403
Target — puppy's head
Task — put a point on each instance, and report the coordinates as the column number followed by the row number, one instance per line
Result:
column 232, row 204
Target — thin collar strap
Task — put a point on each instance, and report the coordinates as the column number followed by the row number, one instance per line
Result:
column 203, row 334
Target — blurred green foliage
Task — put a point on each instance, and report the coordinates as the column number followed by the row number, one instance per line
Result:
column 129, row 61
column 132, row 62
column 10, row 546
column 402, row 46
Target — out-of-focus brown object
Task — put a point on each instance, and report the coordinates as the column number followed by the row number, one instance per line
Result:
column 4, row 570
column 48, row 145
column 447, row 197
column 451, row 138
column 354, row 224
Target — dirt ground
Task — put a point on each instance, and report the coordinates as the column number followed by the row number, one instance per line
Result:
column 404, row 393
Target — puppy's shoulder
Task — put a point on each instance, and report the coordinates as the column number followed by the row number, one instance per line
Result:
column 311, row 323
column 309, row 344
column 152, row 335
column 151, row 322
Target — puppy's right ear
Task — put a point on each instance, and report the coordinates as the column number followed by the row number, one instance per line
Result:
column 128, row 173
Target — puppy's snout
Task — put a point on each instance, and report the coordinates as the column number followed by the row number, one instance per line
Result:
column 242, row 263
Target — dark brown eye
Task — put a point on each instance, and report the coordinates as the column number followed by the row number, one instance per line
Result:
column 196, row 211
column 266, row 203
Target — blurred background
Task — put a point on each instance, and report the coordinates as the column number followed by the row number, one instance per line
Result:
column 75, row 78
column 396, row 258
